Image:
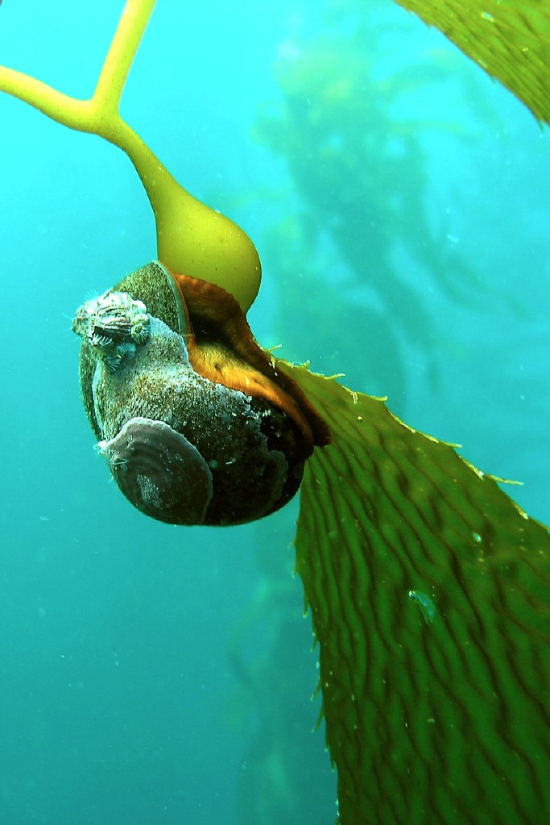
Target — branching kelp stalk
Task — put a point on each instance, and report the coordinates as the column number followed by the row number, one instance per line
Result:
column 186, row 241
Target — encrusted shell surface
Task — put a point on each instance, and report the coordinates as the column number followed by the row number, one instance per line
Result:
column 114, row 324
column 253, row 450
column 160, row 471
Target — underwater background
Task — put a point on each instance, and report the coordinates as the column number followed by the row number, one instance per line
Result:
column 399, row 202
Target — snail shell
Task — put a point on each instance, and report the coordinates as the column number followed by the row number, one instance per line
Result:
column 160, row 471
column 182, row 448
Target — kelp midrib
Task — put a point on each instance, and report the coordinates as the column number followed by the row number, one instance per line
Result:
column 425, row 722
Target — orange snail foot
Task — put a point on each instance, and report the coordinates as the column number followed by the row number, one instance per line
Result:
column 222, row 348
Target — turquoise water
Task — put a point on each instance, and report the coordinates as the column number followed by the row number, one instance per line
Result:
column 161, row 674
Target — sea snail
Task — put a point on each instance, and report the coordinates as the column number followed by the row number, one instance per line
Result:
column 198, row 424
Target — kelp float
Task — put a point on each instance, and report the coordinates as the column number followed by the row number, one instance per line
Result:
column 429, row 588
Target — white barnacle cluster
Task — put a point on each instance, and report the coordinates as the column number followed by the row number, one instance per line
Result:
column 114, row 324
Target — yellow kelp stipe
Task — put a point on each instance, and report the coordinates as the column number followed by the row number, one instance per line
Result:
column 430, row 596
column 192, row 239
column 509, row 39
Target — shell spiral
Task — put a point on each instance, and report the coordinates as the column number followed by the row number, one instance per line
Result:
column 160, row 471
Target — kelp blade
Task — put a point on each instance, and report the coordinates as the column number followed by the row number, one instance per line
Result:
column 442, row 719
column 509, row 39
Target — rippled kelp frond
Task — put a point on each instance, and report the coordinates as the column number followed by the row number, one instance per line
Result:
column 510, row 41
column 426, row 721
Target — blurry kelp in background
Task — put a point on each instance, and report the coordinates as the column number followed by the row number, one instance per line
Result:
column 285, row 775
column 358, row 215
